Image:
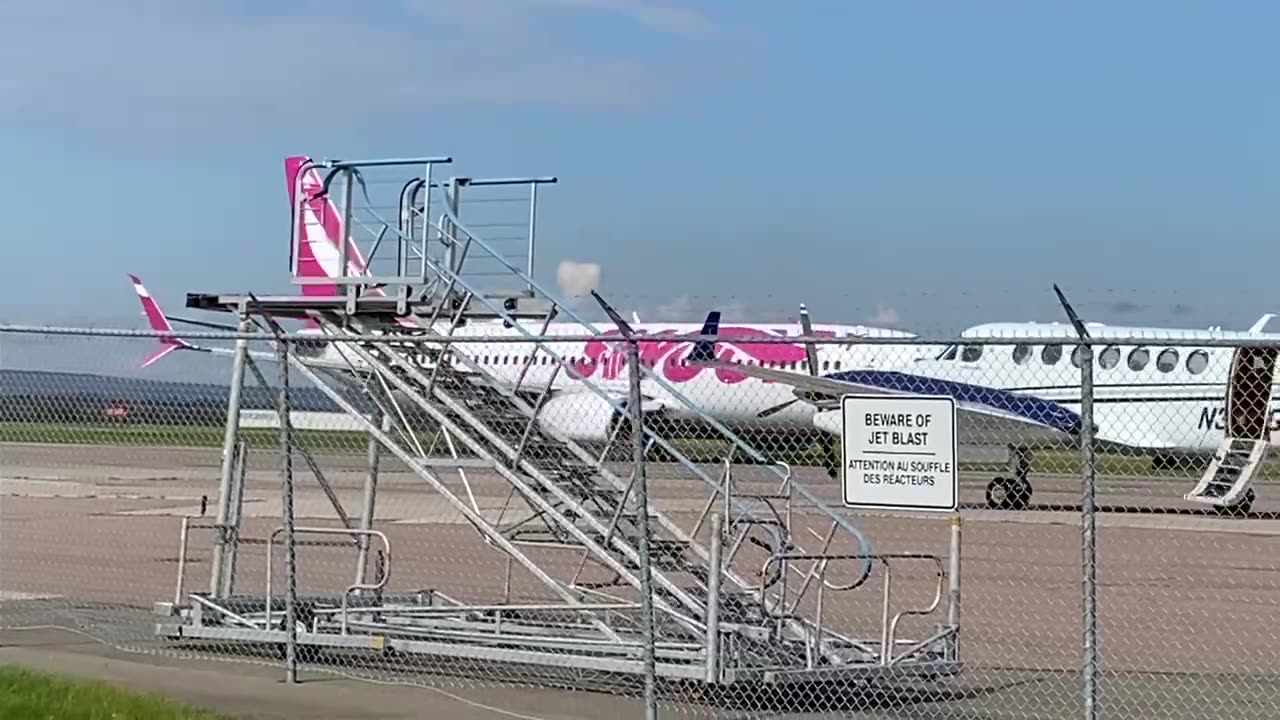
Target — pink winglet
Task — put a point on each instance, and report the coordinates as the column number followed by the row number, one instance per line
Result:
column 158, row 323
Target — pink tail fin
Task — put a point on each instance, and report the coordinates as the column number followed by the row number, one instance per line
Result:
column 319, row 225
column 158, row 323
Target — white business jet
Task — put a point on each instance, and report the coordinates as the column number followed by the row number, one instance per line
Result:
column 1022, row 390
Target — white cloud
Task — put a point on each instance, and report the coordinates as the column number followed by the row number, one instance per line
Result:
column 665, row 18
column 146, row 65
column 577, row 279
column 678, row 309
column 885, row 316
column 687, row 309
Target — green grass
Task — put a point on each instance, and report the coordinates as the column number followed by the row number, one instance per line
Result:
column 1064, row 461
column 194, row 436
column 29, row 695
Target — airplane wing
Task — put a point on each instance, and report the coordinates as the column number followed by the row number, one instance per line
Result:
column 989, row 408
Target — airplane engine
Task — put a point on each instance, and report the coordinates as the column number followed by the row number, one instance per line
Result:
column 585, row 416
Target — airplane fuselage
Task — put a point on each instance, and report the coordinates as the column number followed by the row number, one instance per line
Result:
column 1151, row 395
column 731, row 398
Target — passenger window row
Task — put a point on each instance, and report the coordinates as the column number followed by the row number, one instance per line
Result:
column 1138, row 359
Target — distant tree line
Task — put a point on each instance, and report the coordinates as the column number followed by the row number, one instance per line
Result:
column 89, row 409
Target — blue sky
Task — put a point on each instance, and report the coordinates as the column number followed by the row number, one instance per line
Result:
column 931, row 164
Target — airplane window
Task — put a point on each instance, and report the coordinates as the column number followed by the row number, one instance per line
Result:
column 948, row 354
column 837, row 364
column 1138, row 358
column 826, row 364
column 1109, row 357
column 971, row 353
column 1197, row 361
column 1021, row 353
column 1077, row 356
column 1051, row 354
column 1167, row 360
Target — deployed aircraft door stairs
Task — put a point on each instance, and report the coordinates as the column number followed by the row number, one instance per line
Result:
column 1226, row 484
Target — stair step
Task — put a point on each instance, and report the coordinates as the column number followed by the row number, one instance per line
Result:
column 564, row 471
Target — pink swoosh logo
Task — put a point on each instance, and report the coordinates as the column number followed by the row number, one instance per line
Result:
column 607, row 360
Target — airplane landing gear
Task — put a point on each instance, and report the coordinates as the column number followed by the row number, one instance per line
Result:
column 1012, row 493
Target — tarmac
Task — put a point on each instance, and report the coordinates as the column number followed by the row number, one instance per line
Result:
column 1187, row 601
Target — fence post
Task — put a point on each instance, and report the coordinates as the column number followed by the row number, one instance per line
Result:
column 286, row 496
column 642, row 528
column 1088, row 539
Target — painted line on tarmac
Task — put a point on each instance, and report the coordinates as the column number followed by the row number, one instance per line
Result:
column 1147, row 521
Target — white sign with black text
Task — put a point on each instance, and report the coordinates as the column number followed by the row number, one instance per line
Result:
column 899, row 452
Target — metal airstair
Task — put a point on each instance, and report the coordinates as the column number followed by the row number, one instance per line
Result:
column 742, row 592
column 1227, row 482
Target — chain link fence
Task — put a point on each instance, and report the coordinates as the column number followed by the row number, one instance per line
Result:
column 474, row 515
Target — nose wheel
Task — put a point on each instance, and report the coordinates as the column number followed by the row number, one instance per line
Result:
column 1008, row 493
column 1012, row 493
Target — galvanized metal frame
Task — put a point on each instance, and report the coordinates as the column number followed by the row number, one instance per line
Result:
column 694, row 633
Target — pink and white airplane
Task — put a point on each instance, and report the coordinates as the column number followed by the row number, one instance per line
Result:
column 752, row 407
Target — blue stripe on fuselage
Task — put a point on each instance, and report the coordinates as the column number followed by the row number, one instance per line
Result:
column 1029, row 407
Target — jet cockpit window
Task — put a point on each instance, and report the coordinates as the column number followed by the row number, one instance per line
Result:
column 971, row 353
column 949, row 353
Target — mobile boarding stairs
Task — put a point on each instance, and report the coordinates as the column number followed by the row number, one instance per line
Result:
column 755, row 588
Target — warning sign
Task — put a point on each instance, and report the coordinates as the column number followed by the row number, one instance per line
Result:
column 900, row 452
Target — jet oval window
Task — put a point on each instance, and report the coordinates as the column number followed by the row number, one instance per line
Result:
column 1197, row 362
column 1021, row 353
column 1138, row 359
column 971, row 353
column 1051, row 354
column 1167, row 360
column 1109, row 358
column 1077, row 356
